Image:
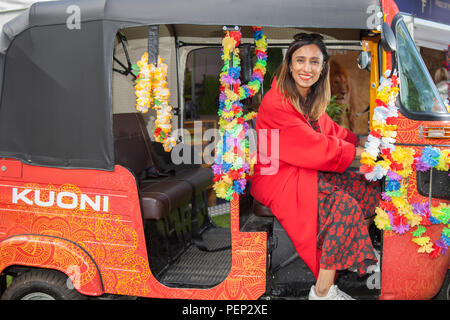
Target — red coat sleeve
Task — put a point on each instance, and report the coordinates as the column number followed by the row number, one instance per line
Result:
column 300, row 145
column 329, row 127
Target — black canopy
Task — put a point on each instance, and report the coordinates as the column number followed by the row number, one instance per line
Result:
column 56, row 107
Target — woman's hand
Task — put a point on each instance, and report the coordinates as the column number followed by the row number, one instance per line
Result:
column 359, row 151
column 362, row 141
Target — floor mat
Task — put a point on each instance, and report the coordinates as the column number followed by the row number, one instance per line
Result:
column 198, row 269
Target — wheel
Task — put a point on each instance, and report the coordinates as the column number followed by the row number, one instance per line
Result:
column 444, row 293
column 41, row 285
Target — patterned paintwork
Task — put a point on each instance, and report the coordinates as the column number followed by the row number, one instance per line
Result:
column 105, row 252
column 407, row 274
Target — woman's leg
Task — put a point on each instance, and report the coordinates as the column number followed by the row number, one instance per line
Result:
column 342, row 234
column 367, row 193
column 325, row 280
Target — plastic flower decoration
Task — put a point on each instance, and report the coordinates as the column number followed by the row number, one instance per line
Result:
column 234, row 163
column 383, row 159
column 382, row 134
column 152, row 91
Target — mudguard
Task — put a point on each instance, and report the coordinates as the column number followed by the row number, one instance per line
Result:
column 51, row 252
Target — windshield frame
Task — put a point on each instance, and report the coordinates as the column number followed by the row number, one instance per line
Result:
column 426, row 115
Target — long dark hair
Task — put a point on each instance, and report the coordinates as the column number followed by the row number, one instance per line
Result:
column 320, row 93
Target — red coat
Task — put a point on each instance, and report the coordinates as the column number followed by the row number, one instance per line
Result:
column 290, row 190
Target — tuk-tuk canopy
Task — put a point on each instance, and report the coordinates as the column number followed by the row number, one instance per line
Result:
column 351, row 14
column 56, row 63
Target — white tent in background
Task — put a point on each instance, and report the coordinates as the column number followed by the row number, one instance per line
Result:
column 11, row 8
column 427, row 33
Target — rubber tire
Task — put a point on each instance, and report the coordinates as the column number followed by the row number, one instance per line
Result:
column 444, row 292
column 49, row 282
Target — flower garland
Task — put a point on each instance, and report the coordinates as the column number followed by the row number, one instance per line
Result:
column 396, row 164
column 234, row 164
column 151, row 90
column 383, row 132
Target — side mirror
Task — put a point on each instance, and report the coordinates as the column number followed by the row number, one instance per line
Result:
column 363, row 60
column 388, row 40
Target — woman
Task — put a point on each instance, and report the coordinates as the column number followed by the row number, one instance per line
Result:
column 320, row 205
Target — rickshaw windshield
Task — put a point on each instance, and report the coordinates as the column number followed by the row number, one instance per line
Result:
column 417, row 91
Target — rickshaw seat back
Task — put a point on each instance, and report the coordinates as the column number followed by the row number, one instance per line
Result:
column 132, row 150
column 130, row 142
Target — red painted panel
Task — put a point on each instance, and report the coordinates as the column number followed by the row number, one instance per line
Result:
column 100, row 212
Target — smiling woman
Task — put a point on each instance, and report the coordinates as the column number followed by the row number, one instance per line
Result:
column 307, row 60
column 325, row 219
column 306, row 67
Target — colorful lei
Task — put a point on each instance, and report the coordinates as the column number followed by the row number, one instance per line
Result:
column 395, row 213
column 151, row 90
column 234, row 164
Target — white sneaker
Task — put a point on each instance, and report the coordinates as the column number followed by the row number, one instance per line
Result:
column 333, row 294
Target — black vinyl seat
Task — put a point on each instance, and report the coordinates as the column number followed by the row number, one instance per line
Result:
column 132, row 150
column 261, row 210
column 161, row 190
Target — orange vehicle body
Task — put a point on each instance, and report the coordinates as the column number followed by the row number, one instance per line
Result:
column 100, row 244
column 407, row 274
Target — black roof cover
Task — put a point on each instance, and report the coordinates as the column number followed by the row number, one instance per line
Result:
column 294, row 13
column 56, row 108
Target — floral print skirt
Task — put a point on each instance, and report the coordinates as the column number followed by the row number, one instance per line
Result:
column 345, row 202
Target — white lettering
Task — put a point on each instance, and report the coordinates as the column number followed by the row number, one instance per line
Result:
column 74, row 279
column 105, row 204
column 374, row 280
column 374, row 20
column 198, row 138
column 61, row 204
column 442, row 4
column 191, row 310
column 209, row 150
column 265, row 158
column 21, row 196
column 94, row 205
column 182, row 152
column 74, row 19
column 65, row 200
column 424, row 4
column 50, row 201
column 247, row 309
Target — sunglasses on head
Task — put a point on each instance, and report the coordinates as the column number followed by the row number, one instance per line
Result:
column 307, row 36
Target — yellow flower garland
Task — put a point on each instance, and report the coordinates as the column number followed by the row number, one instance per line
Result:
column 151, row 90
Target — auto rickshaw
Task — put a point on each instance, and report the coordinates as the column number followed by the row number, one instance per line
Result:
column 91, row 206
